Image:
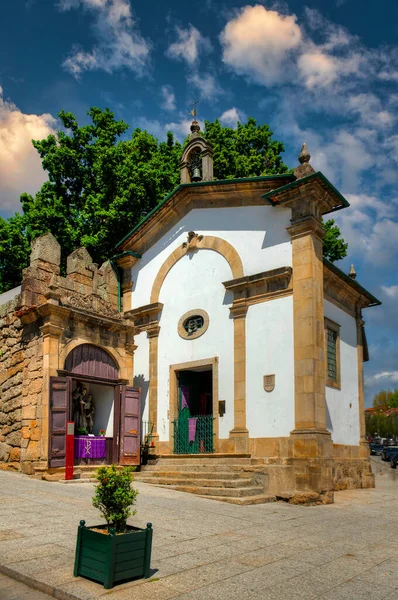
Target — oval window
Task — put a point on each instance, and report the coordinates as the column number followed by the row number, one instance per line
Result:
column 193, row 324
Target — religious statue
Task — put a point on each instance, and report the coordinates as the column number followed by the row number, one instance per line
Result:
column 89, row 411
column 83, row 408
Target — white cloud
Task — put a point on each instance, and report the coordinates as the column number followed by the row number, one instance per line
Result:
column 206, row 84
column 258, row 43
column 317, row 68
column 390, row 291
column 190, row 42
column 20, row 164
column 231, row 116
column 119, row 42
column 391, row 376
column 169, row 99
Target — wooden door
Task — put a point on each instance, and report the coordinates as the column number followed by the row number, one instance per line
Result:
column 59, row 413
column 130, row 423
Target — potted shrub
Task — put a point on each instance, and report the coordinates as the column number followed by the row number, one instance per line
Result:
column 114, row 552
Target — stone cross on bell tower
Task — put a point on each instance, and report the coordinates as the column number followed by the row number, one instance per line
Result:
column 197, row 159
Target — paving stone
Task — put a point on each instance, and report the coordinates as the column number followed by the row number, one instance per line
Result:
column 211, row 550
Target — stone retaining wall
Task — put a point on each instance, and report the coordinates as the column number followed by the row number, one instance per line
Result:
column 20, row 388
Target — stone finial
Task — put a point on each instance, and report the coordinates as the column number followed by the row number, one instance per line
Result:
column 46, row 248
column 195, row 129
column 352, row 272
column 304, row 156
column 79, row 260
column 304, row 169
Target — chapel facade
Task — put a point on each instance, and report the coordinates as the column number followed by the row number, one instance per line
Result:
column 218, row 324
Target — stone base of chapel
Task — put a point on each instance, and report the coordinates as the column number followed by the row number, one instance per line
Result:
column 302, row 468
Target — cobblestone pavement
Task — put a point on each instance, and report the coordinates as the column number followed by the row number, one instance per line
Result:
column 204, row 549
column 15, row 590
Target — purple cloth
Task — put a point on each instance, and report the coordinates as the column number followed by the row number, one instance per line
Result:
column 90, row 447
column 184, row 397
column 192, row 429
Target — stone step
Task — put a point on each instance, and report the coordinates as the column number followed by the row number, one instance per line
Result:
column 196, row 467
column 220, row 491
column 203, row 483
column 208, row 459
column 143, row 475
column 243, row 501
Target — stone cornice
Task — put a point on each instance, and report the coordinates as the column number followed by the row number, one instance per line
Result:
column 341, row 294
column 315, row 186
column 144, row 317
column 261, row 287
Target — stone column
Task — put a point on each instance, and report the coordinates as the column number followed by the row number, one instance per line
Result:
column 240, row 433
column 153, row 335
column 311, row 442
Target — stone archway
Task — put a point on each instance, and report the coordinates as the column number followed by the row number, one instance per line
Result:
column 198, row 242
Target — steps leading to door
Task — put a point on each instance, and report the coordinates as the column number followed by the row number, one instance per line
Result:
column 234, row 478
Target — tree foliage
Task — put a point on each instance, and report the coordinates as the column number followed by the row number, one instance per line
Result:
column 114, row 496
column 101, row 184
column 247, row 151
column 334, row 247
column 385, row 399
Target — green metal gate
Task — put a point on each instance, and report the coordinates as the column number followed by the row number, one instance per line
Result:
column 193, row 435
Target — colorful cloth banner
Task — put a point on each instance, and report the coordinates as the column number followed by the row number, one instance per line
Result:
column 90, row 447
column 192, row 429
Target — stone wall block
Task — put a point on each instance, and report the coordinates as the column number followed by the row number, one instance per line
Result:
column 14, row 438
column 15, row 455
column 12, row 381
column 5, row 450
column 32, row 452
column 12, row 404
column 29, row 412
column 47, row 249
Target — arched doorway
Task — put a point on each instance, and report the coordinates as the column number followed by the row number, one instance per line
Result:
column 106, row 413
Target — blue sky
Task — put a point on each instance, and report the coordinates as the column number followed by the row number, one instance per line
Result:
column 320, row 71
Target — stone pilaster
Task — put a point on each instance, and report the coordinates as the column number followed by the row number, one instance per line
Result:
column 153, row 335
column 240, row 433
column 311, row 442
column 363, row 444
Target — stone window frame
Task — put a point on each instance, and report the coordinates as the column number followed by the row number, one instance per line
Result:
column 198, row 312
column 333, row 326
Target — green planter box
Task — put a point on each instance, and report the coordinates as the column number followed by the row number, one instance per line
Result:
column 111, row 559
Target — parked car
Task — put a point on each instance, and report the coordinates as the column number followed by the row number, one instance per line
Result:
column 388, row 452
column 376, row 449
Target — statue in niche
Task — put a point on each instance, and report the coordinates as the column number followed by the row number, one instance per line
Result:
column 83, row 409
column 89, row 411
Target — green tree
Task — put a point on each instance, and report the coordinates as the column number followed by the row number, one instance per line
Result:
column 385, row 399
column 14, row 251
column 334, row 247
column 246, row 151
column 101, row 184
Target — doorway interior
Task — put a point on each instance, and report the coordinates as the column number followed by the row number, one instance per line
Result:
column 194, row 426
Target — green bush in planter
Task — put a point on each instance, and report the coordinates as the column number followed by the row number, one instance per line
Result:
column 114, row 496
column 115, row 552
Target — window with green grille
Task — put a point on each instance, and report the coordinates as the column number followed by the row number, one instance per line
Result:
column 331, row 349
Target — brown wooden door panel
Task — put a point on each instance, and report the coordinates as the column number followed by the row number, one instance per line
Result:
column 59, row 413
column 130, row 422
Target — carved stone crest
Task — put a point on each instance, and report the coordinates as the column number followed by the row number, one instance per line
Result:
column 92, row 304
column 192, row 242
column 269, row 382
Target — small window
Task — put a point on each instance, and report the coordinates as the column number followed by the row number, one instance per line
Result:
column 332, row 352
column 193, row 324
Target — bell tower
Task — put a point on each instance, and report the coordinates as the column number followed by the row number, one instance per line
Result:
column 197, row 159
